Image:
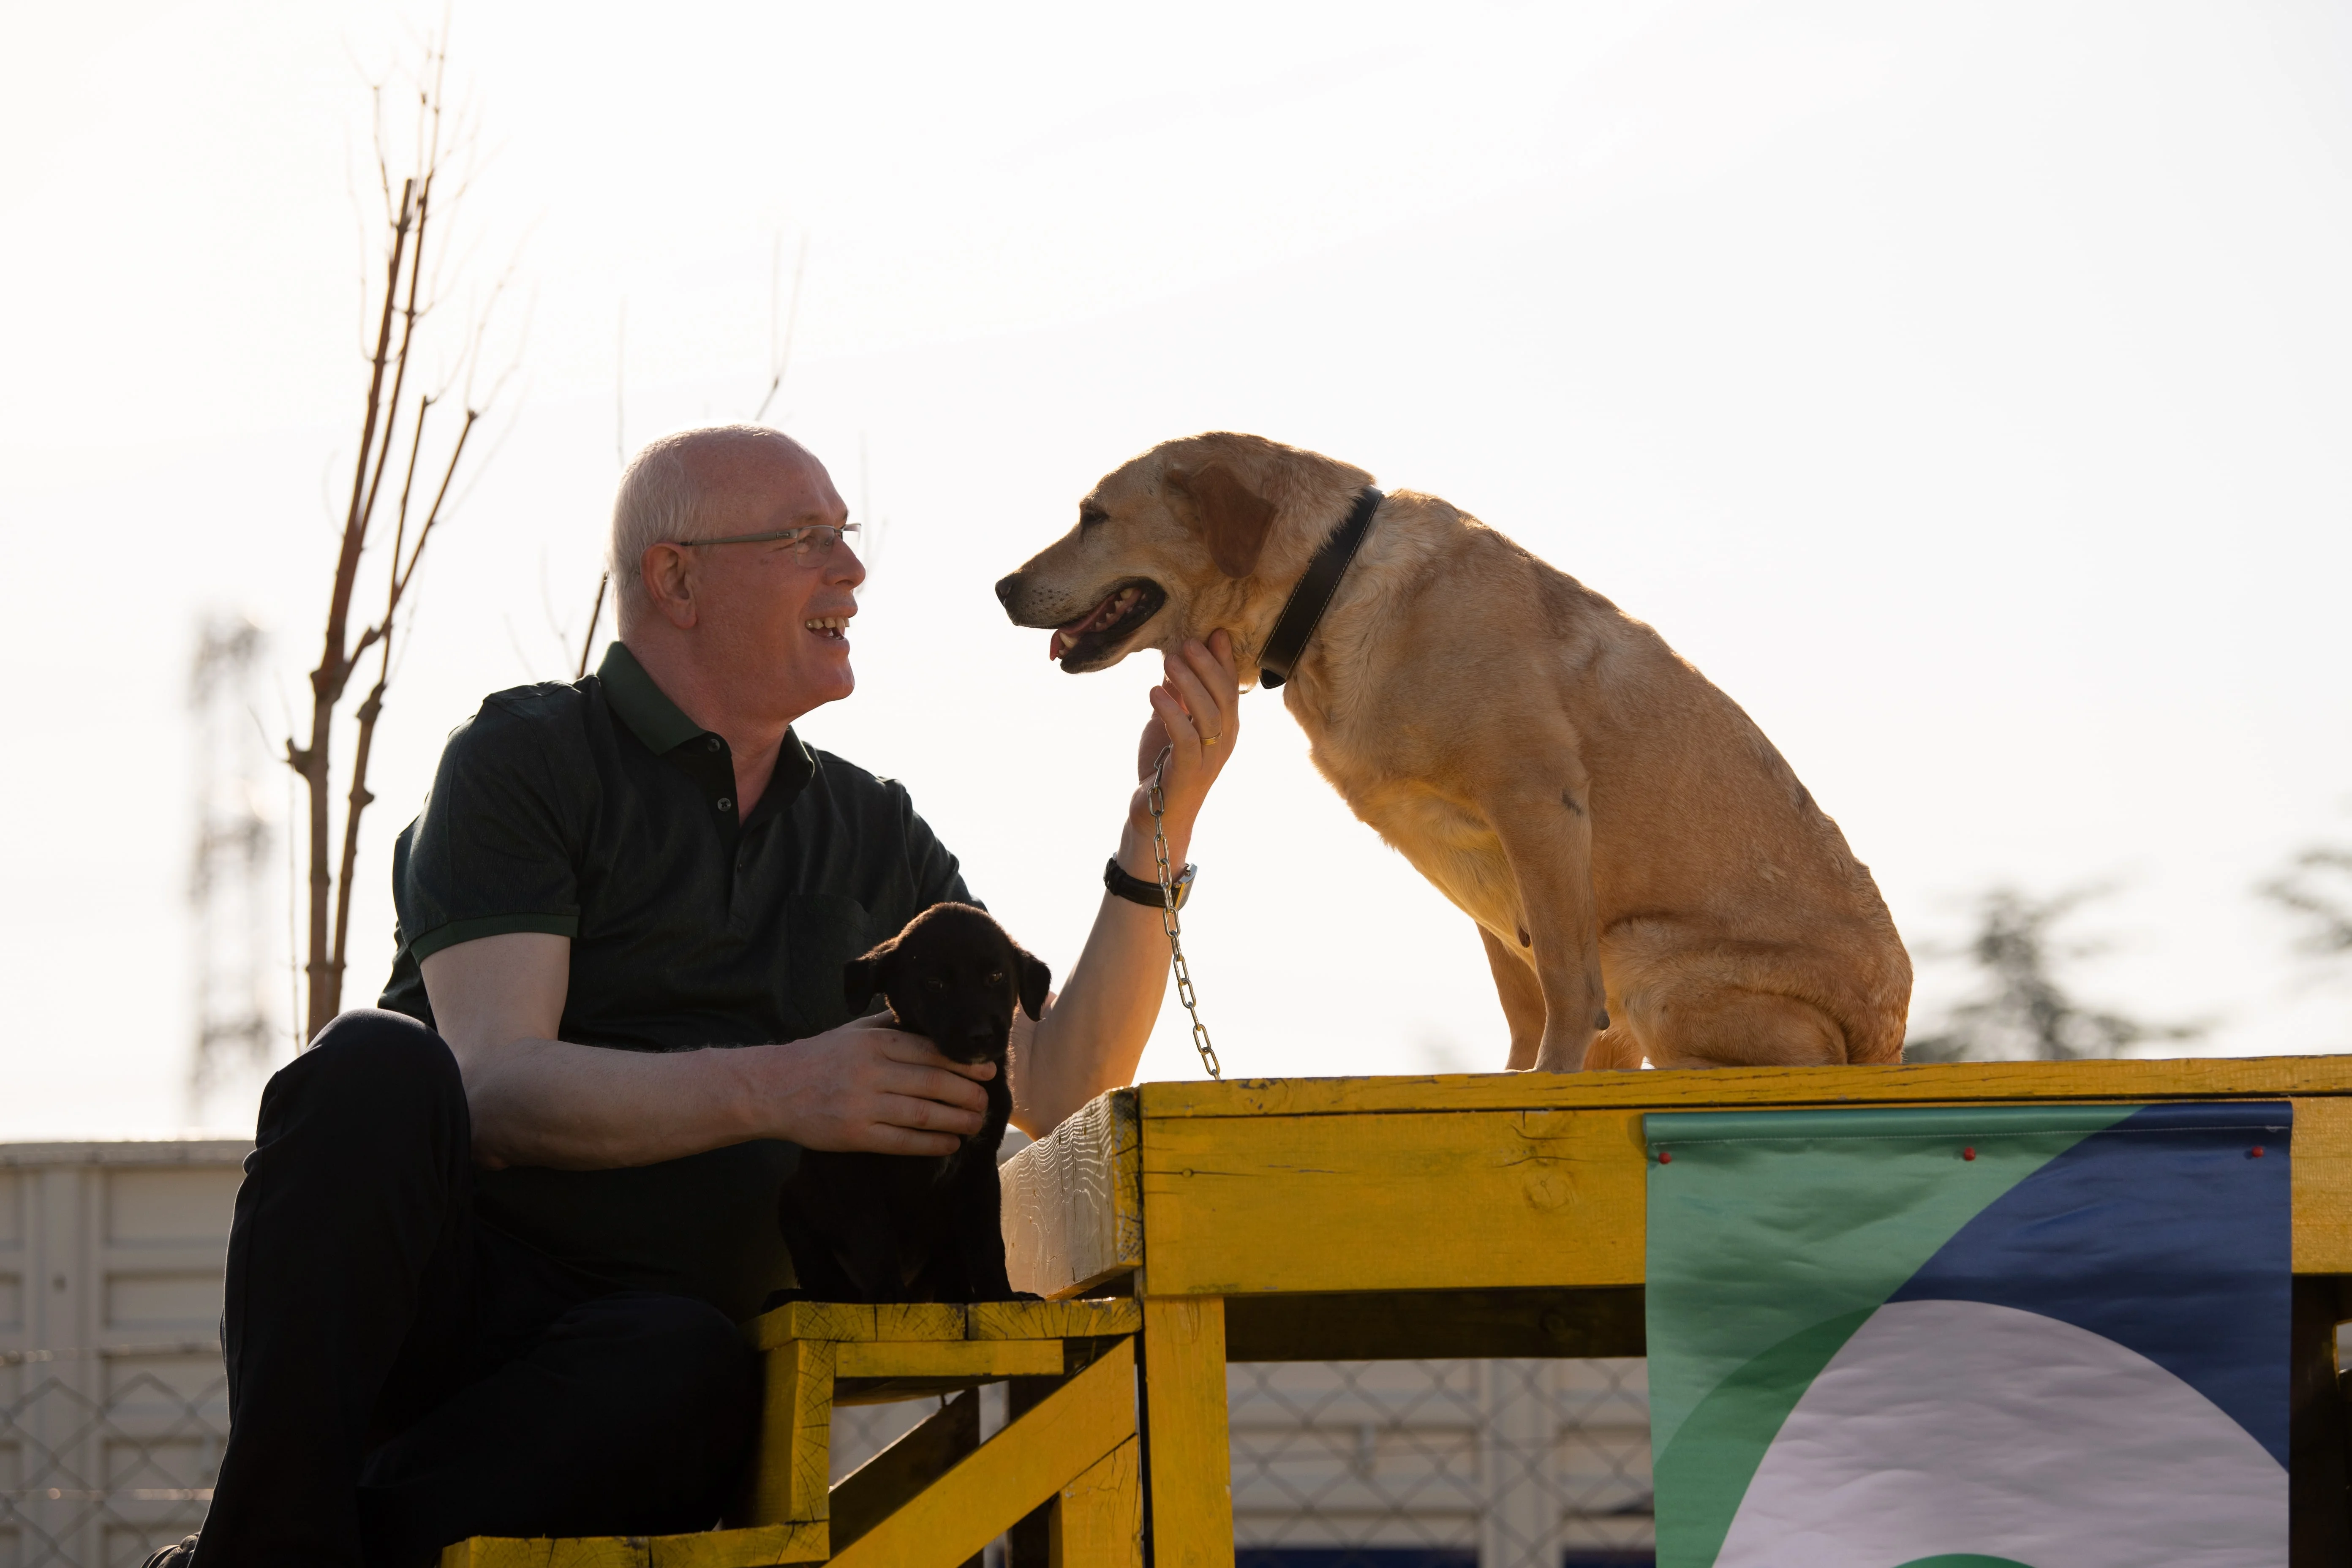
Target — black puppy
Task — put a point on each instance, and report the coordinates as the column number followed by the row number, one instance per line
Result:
column 918, row 1227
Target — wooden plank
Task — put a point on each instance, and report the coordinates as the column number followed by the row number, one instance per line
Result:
column 517, row 1551
column 1054, row 1319
column 1028, row 1543
column 793, row 1460
column 1485, row 1200
column 1187, row 1446
column 1098, row 1522
column 811, row 1320
column 755, row 1548
column 885, row 1483
column 851, row 1322
column 847, row 1391
column 1068, row 1209
column 2205, row 1077
column 514, row 1551
column 949, row 1358
column 2323, row 1186
column 1020, row 1466
column 752, row 1548
column 1476, row 1200
column 1414, row 1325
column 919, row 1320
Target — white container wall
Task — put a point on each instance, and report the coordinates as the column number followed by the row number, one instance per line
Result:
column 113, row 1403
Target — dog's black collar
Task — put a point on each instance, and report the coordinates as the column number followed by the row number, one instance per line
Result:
column 1312, row 596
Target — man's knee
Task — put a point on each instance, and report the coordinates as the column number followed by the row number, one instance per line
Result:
column 386, row 1066
column 689, row 1359
column 701, row 1349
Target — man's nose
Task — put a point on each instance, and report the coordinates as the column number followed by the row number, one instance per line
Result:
column 1006, row 587
column 843, row 564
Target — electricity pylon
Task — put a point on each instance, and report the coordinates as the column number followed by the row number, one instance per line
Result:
column 230, row 901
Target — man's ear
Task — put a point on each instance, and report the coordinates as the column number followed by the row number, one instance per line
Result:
column 1036, row 981
column 666, row 573
column 861, row 977
column 1234, row 519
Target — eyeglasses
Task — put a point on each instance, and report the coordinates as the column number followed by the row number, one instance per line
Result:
column 812, row 544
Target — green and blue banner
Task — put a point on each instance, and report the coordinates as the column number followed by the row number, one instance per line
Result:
column 1978, row 1337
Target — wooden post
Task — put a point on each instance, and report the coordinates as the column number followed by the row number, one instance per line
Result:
column 1185, row 1443
column 2319, row 1523
column 793, row 1467
column 1030, row 1543
column 1098, row 1521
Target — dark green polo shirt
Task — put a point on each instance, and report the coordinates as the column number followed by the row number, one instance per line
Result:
column 600, row 812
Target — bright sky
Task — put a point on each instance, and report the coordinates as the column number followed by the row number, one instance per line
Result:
column 1964, row 389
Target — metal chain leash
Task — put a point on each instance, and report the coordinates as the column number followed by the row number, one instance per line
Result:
column 1168, row 921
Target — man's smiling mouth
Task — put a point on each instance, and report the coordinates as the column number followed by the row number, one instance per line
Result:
column 834, row 628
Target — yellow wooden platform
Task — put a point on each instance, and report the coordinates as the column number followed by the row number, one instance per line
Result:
column 1495, row 1214
column 1507, row 1181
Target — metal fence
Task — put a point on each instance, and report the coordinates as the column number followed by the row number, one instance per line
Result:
column 114, row 1408
column 1411, row 1464
column 106, row 1454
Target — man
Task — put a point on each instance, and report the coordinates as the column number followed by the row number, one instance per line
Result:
column 493, row 1243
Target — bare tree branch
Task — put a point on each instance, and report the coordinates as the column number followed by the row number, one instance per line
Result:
column 412, row 277
column 327, row 681
column 588, row 640
column 781, row 359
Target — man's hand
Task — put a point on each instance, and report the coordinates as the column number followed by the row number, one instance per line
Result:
column 1196, row 718
column 866, row 1086
column 538, row 1100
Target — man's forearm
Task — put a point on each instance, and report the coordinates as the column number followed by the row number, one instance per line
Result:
column 584, row 1107
column 1094, row 1037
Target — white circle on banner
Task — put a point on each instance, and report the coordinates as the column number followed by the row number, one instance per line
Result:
column 1960, row 1428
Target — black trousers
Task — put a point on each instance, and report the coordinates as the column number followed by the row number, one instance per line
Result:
column 400, row 1376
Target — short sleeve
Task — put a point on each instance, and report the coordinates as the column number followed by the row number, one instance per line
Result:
column 938, row 878
column 499, row 845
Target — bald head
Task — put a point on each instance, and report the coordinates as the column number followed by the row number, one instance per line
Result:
column 696, row 484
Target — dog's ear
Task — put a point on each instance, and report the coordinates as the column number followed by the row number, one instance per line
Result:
column 861, row 977
column 1036, row 981
column 1234, row 519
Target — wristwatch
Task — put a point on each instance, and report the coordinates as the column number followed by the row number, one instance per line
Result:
column 1136, row 890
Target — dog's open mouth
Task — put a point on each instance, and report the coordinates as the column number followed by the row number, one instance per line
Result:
column 1083, row 643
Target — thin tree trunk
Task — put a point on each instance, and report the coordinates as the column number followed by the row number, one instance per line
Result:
column 328, row 681
column 331, row 873
column 370, row 710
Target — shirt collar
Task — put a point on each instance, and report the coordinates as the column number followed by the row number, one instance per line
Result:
column 652, row 717
column 664, row 727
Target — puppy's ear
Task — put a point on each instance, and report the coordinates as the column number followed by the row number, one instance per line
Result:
column 1234, row 519
column 1036, row 981
column 861, row 977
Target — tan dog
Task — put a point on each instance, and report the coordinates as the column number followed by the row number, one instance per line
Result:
column 1631, row 846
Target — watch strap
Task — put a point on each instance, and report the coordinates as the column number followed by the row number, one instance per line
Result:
column 1136, row 890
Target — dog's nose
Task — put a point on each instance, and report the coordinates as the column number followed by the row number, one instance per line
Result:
column 1006, row 587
